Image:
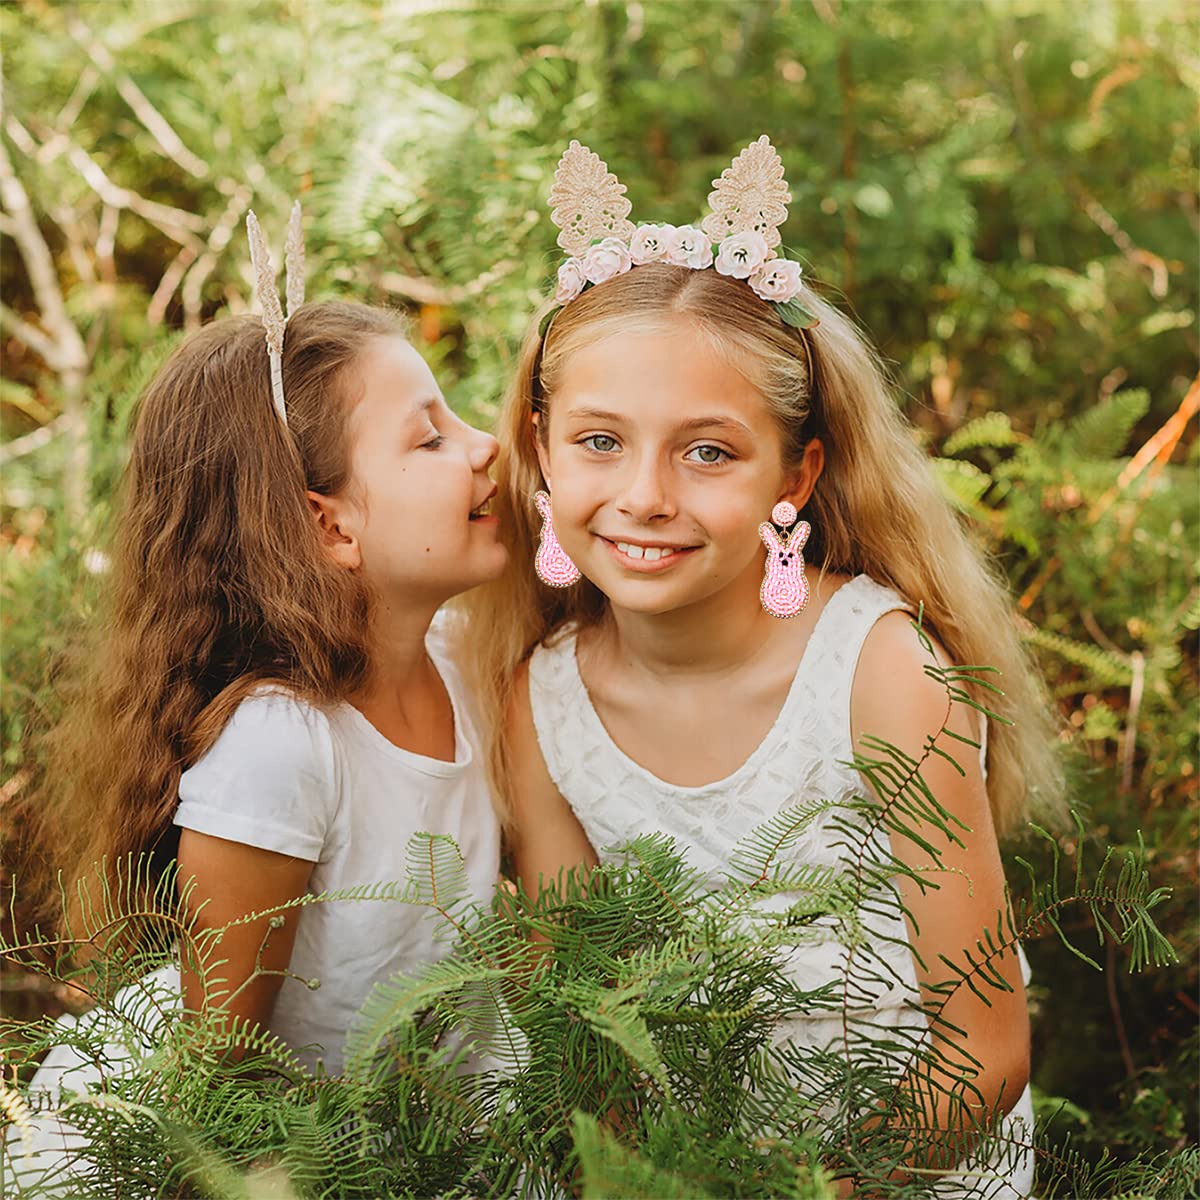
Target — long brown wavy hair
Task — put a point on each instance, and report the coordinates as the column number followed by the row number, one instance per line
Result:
column 876, row 508
column 219, row 583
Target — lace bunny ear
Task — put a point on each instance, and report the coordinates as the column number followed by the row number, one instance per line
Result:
column 293, row 272
column 750, row 195
column 272, row 315
column 587, row 201
column 264, row 284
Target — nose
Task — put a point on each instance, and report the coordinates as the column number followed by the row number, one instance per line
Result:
column 484, row 450
column 645, row 495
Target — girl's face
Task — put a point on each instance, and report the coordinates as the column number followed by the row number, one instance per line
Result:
column 662, row 462
column 414, row 516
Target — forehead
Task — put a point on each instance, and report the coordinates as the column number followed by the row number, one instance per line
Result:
column 663, row 377
column 390, row 366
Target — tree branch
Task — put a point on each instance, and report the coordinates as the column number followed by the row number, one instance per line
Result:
column 70, row 356
column 430, row 291
column 178, row 225
column 169, row 142
column 30, row 442
column 68, row 351
column 30, row 336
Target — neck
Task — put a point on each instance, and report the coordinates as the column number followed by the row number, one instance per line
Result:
column 400, row 668
column 710, row 637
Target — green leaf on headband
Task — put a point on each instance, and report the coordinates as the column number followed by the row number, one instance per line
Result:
column 796, row 315
column 545, row 322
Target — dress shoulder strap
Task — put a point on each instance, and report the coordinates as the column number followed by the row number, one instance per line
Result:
column 842, row 638
column 853, row 611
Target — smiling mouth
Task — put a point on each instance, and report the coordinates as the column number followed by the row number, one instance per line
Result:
column 633, row 553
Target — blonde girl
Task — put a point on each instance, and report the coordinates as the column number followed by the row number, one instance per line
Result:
column 667, row 411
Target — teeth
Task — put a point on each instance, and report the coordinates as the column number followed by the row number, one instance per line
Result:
column 649, row 553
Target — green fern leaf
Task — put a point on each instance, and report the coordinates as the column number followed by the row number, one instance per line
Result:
column 1103, row 666
column 1102, row 431
column 963, row 483
column 993, row 430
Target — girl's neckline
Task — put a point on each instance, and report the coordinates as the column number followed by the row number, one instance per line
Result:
column 752, row 761
column 463, row 754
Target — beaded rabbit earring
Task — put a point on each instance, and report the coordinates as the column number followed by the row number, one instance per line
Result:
column 784, row 590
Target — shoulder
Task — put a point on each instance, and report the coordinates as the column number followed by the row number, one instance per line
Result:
column 275, row 729
column 545, row 834
column 897, row 693
column 269, row 780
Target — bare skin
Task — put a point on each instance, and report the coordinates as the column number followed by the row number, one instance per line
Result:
column 679, row 641
column 417, row 474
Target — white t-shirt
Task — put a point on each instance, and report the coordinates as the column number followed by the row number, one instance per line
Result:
column 326, row 786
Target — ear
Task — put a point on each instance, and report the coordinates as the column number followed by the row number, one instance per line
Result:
column 539, row 444
column 335, row 529
column 803, row 480
column 770, row 538
column 799, row 536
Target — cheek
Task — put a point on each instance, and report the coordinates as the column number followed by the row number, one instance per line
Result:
column 573, row 485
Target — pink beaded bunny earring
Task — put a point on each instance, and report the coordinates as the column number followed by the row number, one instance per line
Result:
column 784, row 590
column 552, row 565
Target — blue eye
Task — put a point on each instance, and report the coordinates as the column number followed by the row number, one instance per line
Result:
column 602, row 443
column 710, row 456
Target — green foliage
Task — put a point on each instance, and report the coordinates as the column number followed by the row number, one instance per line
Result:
column 620, row 1035
column 1006, row 201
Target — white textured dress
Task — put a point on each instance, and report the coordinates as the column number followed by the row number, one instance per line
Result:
column 800, row 760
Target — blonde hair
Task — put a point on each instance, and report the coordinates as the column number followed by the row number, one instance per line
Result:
column 876, row 508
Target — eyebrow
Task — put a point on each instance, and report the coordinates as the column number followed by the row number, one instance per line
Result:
column 713, row 422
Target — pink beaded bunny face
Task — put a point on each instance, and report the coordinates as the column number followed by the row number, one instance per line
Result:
column 784, row 591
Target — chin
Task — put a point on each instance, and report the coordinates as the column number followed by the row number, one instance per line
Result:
column 646, row 601
column 477, row 579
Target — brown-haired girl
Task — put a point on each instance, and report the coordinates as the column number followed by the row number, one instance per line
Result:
column 268, row 680
column 677, row 414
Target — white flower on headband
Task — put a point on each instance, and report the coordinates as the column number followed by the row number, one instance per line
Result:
column 692, row 248
column 778, row 279
column 606, row 259
column 742, row 254
column 747, row 206
column 571, row 281
column 652, row 243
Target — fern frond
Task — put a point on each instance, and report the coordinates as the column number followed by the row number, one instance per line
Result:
column 1102, row 666
column 1102, row 431
column 993, row 430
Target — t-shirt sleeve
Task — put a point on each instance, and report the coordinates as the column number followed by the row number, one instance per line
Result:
column 267, row 781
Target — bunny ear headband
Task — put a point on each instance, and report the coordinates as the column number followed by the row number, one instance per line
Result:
column 274, row 321
column 747, row 205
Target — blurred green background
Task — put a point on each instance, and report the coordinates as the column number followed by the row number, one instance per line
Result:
column 1004, row 192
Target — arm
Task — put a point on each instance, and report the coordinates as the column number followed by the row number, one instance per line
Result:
column 231, row 881
column 546, row 835
column 255, row 814
column 970, row 884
